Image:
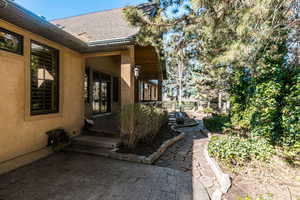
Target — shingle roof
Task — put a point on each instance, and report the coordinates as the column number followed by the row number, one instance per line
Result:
column 98, row 26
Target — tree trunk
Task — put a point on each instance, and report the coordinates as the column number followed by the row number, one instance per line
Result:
column 225, row 107
column 180, row 72
column 208, row 104
column 228, row 105
column 220, row 101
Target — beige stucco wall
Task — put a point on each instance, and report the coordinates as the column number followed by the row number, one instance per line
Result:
column 22, row 137
column 106, row 64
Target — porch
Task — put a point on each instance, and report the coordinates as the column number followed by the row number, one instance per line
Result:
column 111, row 81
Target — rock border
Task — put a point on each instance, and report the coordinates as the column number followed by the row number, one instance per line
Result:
column 187, row 125
column 222, row 178
column 147, row 159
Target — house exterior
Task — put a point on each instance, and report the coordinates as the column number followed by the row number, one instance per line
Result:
column 56, row 74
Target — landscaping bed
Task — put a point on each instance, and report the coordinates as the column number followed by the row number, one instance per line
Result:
column 146, row 149
column 258, row 169
column 276, row 180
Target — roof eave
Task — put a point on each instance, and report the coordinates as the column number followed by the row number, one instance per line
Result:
column 111, row 42
column 21, row 17
column 110, row 45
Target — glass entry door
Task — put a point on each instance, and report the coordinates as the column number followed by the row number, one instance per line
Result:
column 101, row 93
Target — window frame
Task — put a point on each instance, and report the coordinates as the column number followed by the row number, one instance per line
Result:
column 88, row 86
column 116, row 89
column 57, row 62
column 20, row 50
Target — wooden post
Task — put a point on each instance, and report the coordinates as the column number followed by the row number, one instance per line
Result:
column 127, row 82
column 127, row 76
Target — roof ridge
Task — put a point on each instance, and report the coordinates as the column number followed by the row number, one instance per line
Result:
column 84, row 14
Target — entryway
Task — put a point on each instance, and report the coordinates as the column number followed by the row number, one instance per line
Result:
column 101, row 93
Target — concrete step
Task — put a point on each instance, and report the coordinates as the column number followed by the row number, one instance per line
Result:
column 100, row 133
column 97, row 141
column 99, row 151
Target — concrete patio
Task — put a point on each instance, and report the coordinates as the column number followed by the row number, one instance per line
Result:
column 69, row 176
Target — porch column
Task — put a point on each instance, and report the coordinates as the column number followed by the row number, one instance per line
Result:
column 127, row 76
column 127, row 86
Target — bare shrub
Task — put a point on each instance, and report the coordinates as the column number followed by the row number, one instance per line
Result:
column 141, row 122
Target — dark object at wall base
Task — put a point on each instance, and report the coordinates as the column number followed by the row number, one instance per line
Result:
column 180, row 118
column 56, row 137
column 88, row 123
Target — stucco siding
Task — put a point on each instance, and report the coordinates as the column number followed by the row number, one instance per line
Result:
column 22, row 137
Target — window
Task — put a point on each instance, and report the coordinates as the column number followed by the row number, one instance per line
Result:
column 116, row 89
column 141, row 91
column 87, row 85
column 11, row 42
column 44, row 79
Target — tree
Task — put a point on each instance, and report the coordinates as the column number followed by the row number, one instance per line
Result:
column 249, row 48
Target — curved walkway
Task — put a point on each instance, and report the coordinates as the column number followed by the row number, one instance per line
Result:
column 187, row 156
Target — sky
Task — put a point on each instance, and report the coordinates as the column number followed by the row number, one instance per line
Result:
column 55, row 9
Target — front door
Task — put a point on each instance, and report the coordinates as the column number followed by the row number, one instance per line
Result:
column 101, row 93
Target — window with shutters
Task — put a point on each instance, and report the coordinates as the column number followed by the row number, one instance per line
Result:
column 44, row 64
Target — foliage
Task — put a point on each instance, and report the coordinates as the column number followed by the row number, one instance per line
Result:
column 261, row 197
column 291, row 154
column 291, row 112
column 248, row 50
column 267, row 104
column 217, row 122
column 186, row 105
column 239, row 90
column 141, row 122
column 208, row 110
column 235, row 150
column 177, row 64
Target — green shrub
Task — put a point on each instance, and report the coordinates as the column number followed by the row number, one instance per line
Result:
column 208, row 110
column 141, row 122
column 217, row 122
column 186, row 105
column 237, row 150
column 262, row 197
column 266, row 103
column 291, row 113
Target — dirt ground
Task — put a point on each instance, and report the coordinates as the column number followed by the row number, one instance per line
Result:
column 276, row 180
column 146, row 149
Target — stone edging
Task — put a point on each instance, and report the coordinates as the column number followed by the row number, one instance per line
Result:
column 153, row 157
column 223, row 179
column 187, row 125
